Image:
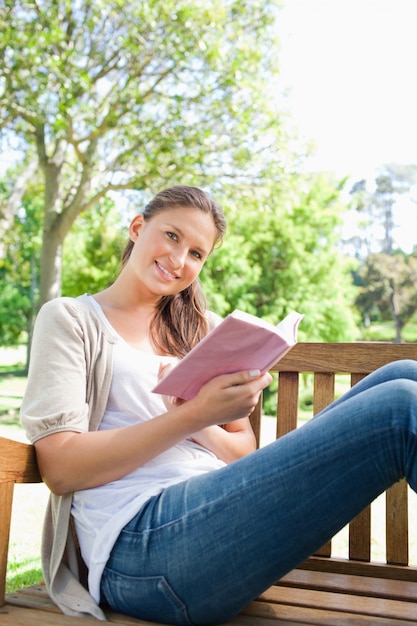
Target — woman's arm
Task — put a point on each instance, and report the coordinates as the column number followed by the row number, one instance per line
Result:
column 228, row 442
column 69, row 461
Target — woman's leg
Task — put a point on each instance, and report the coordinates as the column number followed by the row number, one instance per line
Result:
column 406, row 369
column 199, row 552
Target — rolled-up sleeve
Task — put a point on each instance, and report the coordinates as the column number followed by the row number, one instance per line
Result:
column 55, row 398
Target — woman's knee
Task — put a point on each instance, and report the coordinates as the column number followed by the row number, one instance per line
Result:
column 404, row 368
column 399, row 396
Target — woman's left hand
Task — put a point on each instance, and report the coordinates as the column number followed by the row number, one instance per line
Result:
column 228, row 442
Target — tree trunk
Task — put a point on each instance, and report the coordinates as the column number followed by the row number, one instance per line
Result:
column 398, row 331
column 51, row 265
column 395, row 313
column 53, row 230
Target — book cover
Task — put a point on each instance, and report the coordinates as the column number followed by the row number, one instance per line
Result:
column 240, row 342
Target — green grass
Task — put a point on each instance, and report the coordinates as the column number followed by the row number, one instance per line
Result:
column 385, row 331
column 23, row 573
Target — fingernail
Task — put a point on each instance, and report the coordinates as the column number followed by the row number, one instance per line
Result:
column 254, row 373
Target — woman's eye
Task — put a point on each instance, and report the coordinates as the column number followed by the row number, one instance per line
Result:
column 172, row 236
column 196, row 254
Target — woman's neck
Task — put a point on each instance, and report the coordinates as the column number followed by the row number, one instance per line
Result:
column 130, row 317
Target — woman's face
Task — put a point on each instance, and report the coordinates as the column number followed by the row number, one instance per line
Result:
column 170, row 248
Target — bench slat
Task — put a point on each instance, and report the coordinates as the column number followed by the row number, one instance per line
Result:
column 397, row 524
column 24, row 616
column 360, row 357
column 287, row 403
column 343, row 602
column 360, row 527
column 311, row 616
column 360, row 568
column 350, row 583
column 324, row 386
column 323, row 390
column 6, row 500
column 360, row 536
column 35, row 602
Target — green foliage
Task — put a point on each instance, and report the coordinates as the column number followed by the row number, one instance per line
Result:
column 281, row 254
column 19, row 273
column 388, row 291
column 386, row 276
column 91, row 259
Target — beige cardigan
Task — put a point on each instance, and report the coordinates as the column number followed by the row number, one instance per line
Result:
column 68, row 386
column 70, row 374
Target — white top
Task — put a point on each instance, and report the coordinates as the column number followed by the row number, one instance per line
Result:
column 101, row 513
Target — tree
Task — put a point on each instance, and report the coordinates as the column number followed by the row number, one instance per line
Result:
column 389, row 289
column 122, row 95
column 282, row 254
column 377, row 208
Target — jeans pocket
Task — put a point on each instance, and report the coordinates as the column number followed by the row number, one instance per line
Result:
column 150, row 598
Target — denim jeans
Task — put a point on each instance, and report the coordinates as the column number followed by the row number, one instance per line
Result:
column 203, row 549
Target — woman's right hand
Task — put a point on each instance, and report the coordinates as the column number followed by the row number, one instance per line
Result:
column 229, row 397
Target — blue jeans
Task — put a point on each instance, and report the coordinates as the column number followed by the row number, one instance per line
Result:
column 203, row 549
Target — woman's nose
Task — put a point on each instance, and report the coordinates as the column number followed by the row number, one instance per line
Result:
column 177, row 258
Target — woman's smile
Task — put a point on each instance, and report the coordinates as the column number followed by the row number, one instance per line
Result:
column 165, row 272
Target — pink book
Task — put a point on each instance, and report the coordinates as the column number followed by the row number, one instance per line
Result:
column 240, row 342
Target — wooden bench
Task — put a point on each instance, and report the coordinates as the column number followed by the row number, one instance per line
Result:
column 325, row 590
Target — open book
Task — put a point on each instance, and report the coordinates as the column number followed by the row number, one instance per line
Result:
column 240, row 342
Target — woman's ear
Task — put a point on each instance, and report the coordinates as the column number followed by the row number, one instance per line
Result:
column 135, row 227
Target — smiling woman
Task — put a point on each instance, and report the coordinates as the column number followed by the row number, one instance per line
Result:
column 116, row 345
column 146, row 479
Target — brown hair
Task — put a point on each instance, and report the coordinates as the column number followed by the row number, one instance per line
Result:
column 180, row 320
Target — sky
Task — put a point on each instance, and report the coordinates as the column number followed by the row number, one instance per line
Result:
column 350, row 67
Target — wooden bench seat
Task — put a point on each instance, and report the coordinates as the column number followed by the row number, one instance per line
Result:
column 326, row 589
